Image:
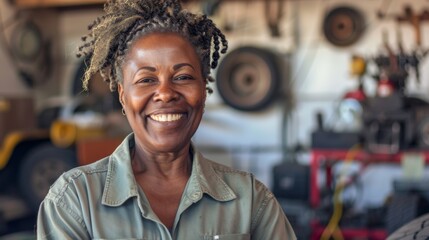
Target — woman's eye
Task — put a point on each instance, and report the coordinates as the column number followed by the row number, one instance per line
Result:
column 146, row 80
column 184, row 77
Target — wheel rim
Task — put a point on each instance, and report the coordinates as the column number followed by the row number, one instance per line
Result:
column 246, row 80
column 343, row 26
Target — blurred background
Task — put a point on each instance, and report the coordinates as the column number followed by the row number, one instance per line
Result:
column 324, row 101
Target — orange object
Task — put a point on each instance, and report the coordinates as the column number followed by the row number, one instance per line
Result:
column 91, row 150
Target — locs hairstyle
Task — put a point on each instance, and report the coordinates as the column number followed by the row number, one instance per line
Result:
column 111, row 35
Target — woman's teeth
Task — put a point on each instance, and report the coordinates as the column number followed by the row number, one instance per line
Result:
column 166, row 117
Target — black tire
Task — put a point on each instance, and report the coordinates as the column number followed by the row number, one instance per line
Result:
column 343, row 26
column 39, row 170
column 248, row 78
column 98, row 90
column 402, row 209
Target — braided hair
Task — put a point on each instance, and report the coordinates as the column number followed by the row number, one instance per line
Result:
column 111, row 35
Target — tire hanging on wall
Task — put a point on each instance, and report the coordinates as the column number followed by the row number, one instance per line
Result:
column 248, row 78
column 96, row 88
column 343, row 26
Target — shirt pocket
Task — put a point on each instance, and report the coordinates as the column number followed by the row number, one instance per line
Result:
column 228, row 237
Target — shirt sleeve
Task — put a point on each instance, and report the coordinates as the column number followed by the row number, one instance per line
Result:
column 57, row 221
column 270, row 221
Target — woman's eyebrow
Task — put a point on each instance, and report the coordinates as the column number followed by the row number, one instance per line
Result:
column 152, row 69
column 180, row 65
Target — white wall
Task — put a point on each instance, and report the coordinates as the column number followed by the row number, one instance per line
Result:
column 320, row 71
column 47, row 77
column 10, row 83
column 319, row 77
column 72, row 26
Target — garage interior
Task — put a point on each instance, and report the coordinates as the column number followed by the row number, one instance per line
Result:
column 325, row 101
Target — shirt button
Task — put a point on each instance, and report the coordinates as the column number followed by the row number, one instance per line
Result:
column 195, row 196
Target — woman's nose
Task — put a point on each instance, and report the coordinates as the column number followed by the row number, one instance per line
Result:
column 165, row 92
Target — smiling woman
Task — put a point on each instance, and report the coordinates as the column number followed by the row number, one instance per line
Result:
column 163, row 92
column 156, row 185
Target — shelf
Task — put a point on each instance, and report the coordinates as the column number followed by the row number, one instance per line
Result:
column 55, row 3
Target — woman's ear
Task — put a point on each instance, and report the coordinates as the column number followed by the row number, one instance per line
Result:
column 121, row 94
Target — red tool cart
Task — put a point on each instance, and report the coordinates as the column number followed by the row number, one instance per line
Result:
column 323, row 160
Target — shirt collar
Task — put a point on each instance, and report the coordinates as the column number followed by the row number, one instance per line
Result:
column 120, row 183
column 205, row 179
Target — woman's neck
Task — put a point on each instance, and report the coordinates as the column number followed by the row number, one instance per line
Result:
column 166, row 166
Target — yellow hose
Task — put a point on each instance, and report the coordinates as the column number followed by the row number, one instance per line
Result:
column 332, row 229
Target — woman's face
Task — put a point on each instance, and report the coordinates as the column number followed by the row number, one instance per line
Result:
column 163, row 91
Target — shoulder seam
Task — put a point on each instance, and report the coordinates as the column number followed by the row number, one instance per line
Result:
column 225, row 169
column 61, row 204
column 268, row 196
column 68, row 179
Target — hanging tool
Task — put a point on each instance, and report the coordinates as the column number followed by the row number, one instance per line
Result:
column 409, row 16
column 273, row 16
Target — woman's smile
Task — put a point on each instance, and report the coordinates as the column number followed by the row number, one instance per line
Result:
column 166, row 117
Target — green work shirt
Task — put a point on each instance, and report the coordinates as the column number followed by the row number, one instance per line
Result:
column 102, row 200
